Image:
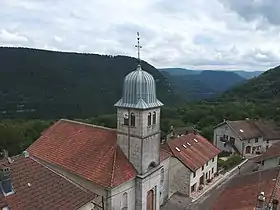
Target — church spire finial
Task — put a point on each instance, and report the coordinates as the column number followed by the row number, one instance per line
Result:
column 138, row 48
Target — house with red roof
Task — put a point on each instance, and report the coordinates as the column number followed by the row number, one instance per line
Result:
column 128, row 166
column 270, row 158
column 246, row 137
column 254, row 191
column 26, row 184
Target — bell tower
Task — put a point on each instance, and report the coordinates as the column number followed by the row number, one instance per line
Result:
column 138, row 119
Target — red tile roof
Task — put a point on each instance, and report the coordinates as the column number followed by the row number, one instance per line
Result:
column 242, row 192
column 46, row 190
column 86, row 150
column 195, row 155
column 271, row 152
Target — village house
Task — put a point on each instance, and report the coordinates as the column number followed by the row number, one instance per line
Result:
column 270, row 158
column 25, row 184
column 251, row 191
column 246, row 137
column 129, row 166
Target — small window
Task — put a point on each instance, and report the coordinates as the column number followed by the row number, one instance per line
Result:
column 212, row 159
column 267, row 141
column 124, row 201
column 194, row 174
column 279, row 162
column 202, row 168
column 212, row 170
column 207, row 163
column 267, row 147
column 154, row 118
column 149, row 119
column 161, row 176
column 256, row 140
column 132, row 119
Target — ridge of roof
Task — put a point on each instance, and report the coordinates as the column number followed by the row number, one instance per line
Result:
column 87, row 124
column 113, row 168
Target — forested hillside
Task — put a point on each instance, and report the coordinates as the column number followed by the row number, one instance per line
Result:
column 262, row 89
column 199, row 85
column 44, row 84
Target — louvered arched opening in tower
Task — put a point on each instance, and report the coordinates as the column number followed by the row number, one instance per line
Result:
column 149, row 119
column 154, row 118
column 132, row 119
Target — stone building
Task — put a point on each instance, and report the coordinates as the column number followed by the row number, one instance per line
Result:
column 128, row 166
column 246, row 137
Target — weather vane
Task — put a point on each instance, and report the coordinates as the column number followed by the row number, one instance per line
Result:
column 138, row 47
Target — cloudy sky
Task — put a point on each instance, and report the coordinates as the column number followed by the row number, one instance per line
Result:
column 197, row 34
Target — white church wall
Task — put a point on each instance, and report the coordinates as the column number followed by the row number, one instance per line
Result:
column 164, row 181
column 179, row 177
column 123, row 196
column 144, row 185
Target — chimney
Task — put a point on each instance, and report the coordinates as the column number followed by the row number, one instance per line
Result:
column 260, row 202
column 275, row 204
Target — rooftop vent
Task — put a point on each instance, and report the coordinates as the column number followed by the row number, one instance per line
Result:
column 177, row 149
column 241, row 131
column 184, row 146
column 195, row 140
column 261, row 200
column 188, row 144
column 25, row 153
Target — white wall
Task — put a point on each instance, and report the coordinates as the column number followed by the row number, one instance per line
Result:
column 144, row 185
column 164, row 188
column 117, row 198
column 199, row 172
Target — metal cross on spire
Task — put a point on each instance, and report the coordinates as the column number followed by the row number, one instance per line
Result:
column 138, row 47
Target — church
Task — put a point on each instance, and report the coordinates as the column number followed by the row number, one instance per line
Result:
column 130, row 167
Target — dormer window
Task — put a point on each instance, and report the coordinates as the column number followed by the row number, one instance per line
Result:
column 132, row 119
column 154, row 118
column 5, row 182
column 149, row 119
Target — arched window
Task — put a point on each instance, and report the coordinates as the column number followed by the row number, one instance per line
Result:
column 132, row 119
column 124, row 201
column 154, row 118
column 149, row 119
column 161, row 176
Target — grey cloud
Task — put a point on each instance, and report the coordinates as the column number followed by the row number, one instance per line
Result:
column 267, row 10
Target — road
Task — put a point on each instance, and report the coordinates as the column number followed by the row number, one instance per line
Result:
column 179, row 202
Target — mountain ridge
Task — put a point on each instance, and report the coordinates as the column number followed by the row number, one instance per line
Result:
column 51, row 84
